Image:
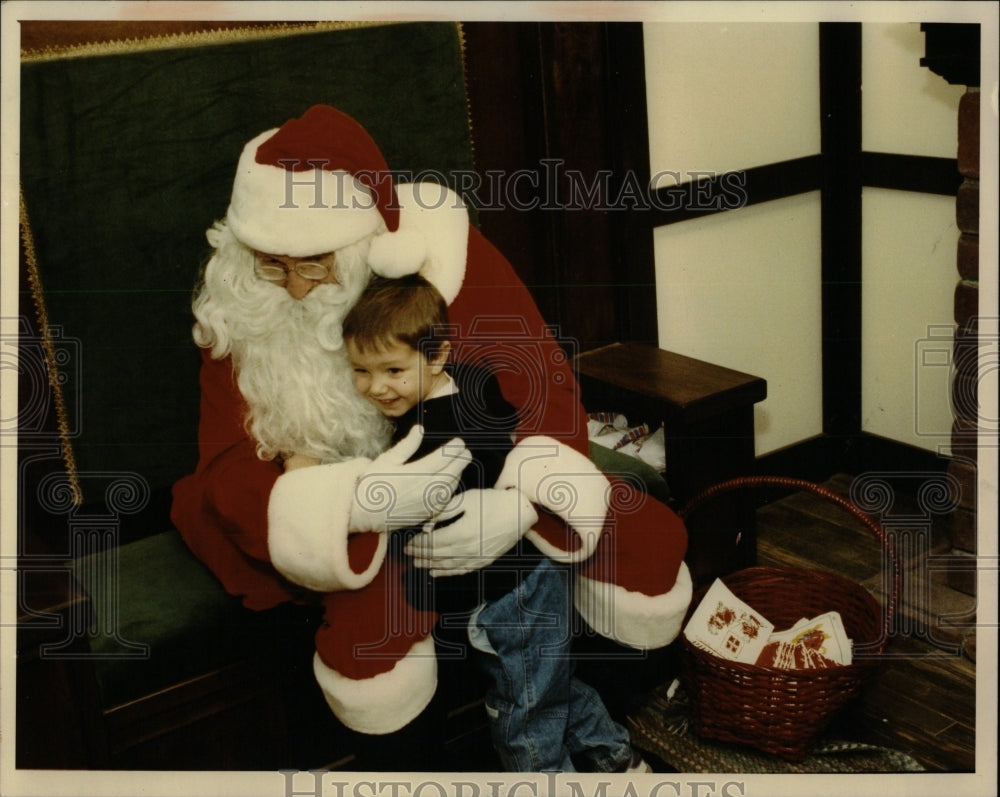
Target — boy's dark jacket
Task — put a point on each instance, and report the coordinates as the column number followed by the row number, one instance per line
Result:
column 478, row 413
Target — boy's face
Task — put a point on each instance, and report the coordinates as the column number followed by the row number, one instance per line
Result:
column 396, row 377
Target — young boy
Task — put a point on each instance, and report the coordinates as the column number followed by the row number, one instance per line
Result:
column 542, row 718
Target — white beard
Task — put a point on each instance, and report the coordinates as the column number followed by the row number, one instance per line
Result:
column 289, row 356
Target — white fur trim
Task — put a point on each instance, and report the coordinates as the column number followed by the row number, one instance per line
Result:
column 302, row 213
column 308, row 521
column 385, row 702
column 632, row 618
column 432, row 238
column 565, row 482
column 396, row 254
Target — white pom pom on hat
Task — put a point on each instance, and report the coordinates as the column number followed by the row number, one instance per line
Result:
column 319, row 183
column 432, row 238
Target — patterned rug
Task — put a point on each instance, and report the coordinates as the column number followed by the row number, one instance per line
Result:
column 662, row 727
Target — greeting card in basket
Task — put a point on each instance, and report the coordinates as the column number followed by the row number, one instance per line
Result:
column 813, row 643
column 727, row 627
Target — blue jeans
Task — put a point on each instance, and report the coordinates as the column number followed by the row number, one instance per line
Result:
column 540, row 714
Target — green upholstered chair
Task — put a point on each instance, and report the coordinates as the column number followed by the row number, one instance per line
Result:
column 127, row 156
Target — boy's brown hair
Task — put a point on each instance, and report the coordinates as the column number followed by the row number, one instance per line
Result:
column 408, row 309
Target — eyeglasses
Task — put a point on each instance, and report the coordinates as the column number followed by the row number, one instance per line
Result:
column 275, row 271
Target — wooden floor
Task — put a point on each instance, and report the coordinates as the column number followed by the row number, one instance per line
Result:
column 923, row 701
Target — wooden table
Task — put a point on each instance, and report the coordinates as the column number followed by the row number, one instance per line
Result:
column 707, row 415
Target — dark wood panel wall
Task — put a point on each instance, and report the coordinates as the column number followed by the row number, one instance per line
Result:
column 559, row 125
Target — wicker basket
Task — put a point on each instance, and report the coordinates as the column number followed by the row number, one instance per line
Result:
column 776, row 710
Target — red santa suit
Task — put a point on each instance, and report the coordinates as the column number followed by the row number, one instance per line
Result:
column 272, row 536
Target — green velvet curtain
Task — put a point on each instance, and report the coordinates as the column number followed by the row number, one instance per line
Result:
column 127, row 158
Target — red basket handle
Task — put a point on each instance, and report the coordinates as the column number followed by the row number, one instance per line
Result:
column 743, row 482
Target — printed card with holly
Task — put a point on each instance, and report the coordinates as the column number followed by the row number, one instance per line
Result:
column 811, row 643
column 727, row 627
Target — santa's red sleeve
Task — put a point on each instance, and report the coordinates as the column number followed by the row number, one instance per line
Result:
column 636, row 588
column 632, row 585
column 497, row 325
column 268, row 536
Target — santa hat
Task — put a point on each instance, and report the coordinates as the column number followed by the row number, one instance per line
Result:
column 319, row 183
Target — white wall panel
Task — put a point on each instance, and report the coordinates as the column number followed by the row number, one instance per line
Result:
column 733, row 95
column 742, row 289
column 906, row 109
column 909, row 281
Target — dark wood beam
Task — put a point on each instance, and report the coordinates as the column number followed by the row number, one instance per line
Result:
column 910, row 173
column 840, row 109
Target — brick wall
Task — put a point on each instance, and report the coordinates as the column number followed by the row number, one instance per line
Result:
column 966, row 348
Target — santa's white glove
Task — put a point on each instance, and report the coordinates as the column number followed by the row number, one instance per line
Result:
column 393, row 493
column 487, row 524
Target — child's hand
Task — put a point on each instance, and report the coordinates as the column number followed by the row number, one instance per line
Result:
column 295, row 461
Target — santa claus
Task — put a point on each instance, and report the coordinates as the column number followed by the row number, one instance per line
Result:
column 314, row 212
